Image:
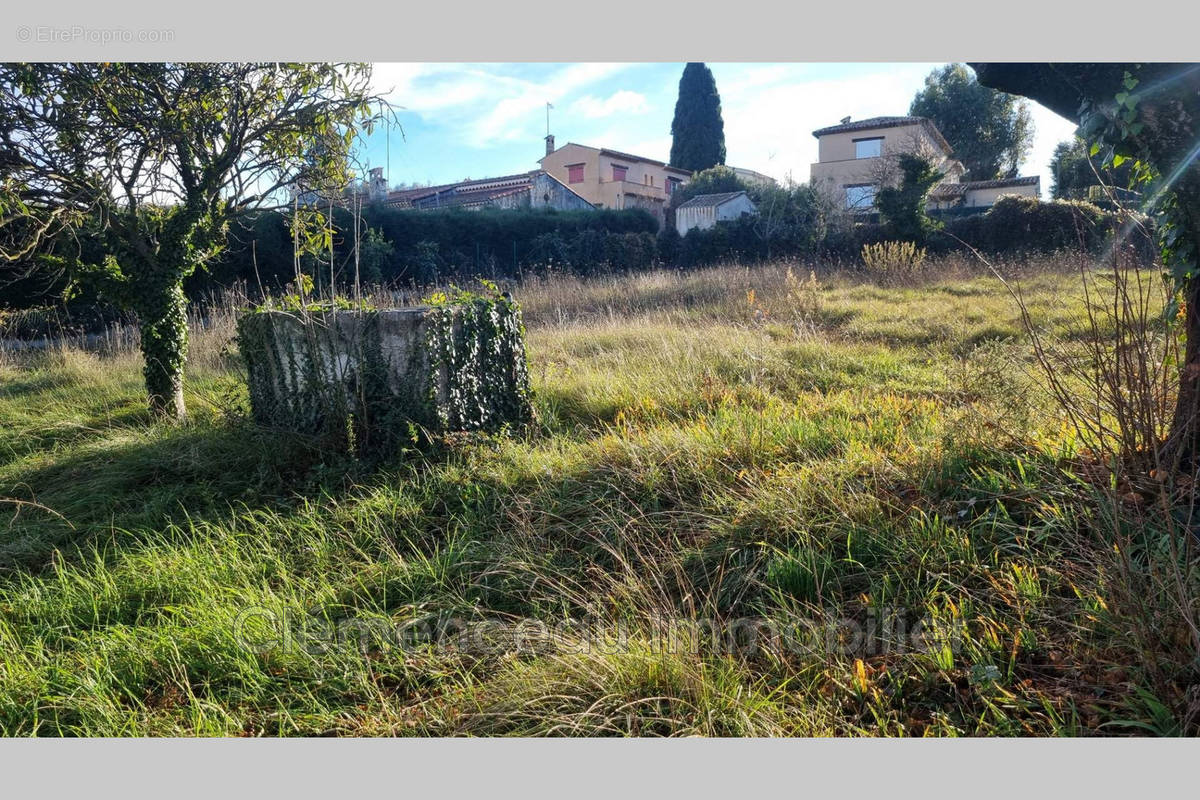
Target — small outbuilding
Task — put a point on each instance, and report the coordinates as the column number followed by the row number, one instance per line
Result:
column 706, row 210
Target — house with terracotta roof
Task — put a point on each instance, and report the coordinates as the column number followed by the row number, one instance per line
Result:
column 535, row 189
column 981, row 194
column 613, row 179
column 855, row 159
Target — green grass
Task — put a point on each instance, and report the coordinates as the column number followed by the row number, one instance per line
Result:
column 727, row 446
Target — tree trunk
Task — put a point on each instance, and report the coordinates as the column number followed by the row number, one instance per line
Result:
column 162, row 318
column 1182, row 449
column 1181, row 445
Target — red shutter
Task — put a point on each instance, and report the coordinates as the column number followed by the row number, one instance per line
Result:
column 619, row 172
column 575, row 173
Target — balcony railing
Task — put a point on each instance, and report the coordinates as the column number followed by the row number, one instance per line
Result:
column 645, row 189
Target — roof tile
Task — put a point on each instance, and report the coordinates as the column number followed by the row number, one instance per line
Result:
column 710, row 200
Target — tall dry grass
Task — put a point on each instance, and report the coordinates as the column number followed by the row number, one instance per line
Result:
column 1112, row 369
column 775, row 443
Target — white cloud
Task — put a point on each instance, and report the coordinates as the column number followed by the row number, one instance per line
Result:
column 515, row 117
column 433, row 89
column 770, row 112
column 480, row 104
column 620, row 102
column 658, row 148
column 1049, row 130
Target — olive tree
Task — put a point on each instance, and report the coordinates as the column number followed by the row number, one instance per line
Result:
column 156, row 159
column 1147, row 115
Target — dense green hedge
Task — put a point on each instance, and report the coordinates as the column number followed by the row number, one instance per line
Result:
column 431, row 247
column 1013, row 226
column 424, row 247
column 746, row 240
column 1023, row 224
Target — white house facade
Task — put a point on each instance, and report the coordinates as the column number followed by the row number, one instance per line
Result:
column 705, row 210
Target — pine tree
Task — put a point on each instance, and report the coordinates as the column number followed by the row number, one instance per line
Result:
column 697, row 132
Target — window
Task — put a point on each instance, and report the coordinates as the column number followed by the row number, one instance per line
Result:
column 672, row 185
column 619, row 172
column 860, row 196
column 575, row 173
column 868, row 148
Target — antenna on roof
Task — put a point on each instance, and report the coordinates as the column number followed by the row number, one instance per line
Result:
column 549, row 136
column 844, row 120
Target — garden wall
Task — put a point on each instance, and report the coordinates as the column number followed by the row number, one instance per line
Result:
column 373, row 378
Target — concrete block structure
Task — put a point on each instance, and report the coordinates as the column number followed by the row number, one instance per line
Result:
column 442, row 368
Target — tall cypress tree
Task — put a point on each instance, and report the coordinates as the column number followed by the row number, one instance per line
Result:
column 697, row 132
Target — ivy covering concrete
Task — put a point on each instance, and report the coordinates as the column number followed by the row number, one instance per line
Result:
column 374, row 378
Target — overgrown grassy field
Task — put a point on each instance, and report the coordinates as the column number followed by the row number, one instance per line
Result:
column 757, row 502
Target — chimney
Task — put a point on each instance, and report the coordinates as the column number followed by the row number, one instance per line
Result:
column 549, row 143
column 377, row 186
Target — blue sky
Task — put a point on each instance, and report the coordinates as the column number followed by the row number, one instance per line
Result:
column 483, row 120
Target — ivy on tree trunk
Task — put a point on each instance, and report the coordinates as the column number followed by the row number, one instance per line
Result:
column 162, row 319
column 156, row 158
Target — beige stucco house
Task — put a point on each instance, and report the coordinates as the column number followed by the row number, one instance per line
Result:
column 751, row 177
column 856, row 159
column 982, row 194
column 612, row 179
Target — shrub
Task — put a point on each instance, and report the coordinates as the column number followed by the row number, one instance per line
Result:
column 377, row 253
column 889, row 260
column 789, row 225
column 1013, row 226
column 629, row 251
column 587, row 252
column 1111, row 368
column 903, row 208
column 426, row 263
column 1024, row 225
column 550, row 250
column 669, row 246
column 844, row 244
